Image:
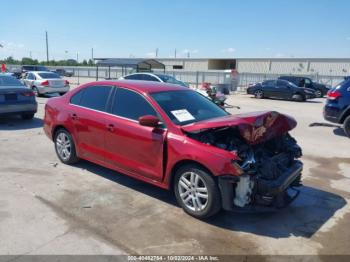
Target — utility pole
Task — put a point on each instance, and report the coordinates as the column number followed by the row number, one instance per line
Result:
column 157, row 52
column 30, row 54
column 78, row 67
column 47, row 47
column 188, row 54
column 175, row 53
column 92, row 54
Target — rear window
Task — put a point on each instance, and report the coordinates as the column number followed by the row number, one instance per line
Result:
column 9, row 81
column 49, row 75
column 343, row 85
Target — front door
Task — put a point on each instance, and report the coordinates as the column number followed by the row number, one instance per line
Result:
column 129, row 146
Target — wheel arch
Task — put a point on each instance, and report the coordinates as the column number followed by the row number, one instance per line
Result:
column 344, row 115
column 182, row 163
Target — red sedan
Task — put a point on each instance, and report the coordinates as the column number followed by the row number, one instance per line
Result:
column 177, row 139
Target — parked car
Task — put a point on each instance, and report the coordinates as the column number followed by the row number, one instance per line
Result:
column 320, row 89
column 177, row 139
column 337, row 107
column 43, row 82
column 280, row 89
column 63, row 72
column 15, row 98
column 155, row 77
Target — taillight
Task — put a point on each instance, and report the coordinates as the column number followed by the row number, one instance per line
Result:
column 28, row 94
column 45, row 83
column 333, row 95
column 66, row 83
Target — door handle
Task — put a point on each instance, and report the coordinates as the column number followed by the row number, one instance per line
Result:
column 110, row 128
column 74, row 116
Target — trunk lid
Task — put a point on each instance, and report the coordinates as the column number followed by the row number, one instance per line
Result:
column 56, row 83
column 255, row 127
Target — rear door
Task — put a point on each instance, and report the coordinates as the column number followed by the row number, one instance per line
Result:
column 88, row 117
column 129, row 146
column 269, row 87
column 283, row 89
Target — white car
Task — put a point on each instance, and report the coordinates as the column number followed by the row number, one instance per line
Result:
column 43, row 82
column 155, row 78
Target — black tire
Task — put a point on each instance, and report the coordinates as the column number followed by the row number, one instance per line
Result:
column 299, row 97
column 259, row 94
column 27, row 116
column 73, row 158
column 347, row 126
column 213, row 203
column 318, row 93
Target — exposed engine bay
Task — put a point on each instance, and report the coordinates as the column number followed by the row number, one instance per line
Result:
column 267, row 170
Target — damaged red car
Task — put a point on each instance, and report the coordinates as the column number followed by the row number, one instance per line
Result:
column 177, row 139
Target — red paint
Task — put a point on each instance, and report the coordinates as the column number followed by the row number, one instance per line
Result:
column 147, row 153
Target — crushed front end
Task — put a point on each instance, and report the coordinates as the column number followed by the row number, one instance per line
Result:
column 270, row 174
column 267, row 172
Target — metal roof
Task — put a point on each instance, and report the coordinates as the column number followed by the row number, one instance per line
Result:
column 130, row 63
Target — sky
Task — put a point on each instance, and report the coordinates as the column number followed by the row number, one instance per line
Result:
column 202, row 28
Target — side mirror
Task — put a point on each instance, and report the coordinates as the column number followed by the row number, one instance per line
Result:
column 148, row 120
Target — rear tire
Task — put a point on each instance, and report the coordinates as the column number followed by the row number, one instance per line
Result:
column 259, row 94
column 27, row 116
column 65, row 147
column 347, row 126
column 196, row 191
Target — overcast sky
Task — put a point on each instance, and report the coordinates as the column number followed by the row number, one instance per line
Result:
column 221, row 28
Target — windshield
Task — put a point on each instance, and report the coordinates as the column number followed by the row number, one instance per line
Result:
column 171, row 80
column 48, row 75
column 185, row 106
column 9, row 81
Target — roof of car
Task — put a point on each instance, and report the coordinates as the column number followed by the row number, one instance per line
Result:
column 141, row 86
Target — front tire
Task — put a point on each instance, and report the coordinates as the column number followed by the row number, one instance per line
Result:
column 197, row 192
column 299, row 98
column 347, row 126
column 318, row 93
column 65, row 147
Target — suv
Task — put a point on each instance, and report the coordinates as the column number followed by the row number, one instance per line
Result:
column 320, row 89
column 337, row 108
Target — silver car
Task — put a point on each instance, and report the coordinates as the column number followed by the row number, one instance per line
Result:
column 43, row 82
column 15, row 98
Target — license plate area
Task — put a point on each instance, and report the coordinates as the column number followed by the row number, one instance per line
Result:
column 10, row 97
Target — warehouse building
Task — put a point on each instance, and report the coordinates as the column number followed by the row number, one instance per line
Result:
column 302, row 66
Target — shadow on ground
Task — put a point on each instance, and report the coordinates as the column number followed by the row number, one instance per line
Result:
column 304, row 217
column 338, row 130
column 17, row 123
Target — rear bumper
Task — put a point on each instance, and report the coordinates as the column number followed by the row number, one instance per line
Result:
column 12, row 109
column 50, row 90
column 267, row 194
column 332, row 113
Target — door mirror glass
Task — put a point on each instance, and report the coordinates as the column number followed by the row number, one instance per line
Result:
column 149, row 120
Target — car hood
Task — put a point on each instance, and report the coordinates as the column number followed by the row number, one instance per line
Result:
column 255, row 127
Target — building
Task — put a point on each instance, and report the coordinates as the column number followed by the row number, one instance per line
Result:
column 302, row 66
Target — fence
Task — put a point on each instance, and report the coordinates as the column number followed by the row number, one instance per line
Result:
column 196, row 78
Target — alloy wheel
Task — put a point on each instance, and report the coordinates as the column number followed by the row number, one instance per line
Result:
column 193, row 191
column 64, row 146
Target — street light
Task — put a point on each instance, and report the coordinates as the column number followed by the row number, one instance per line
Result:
column 78, row 66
